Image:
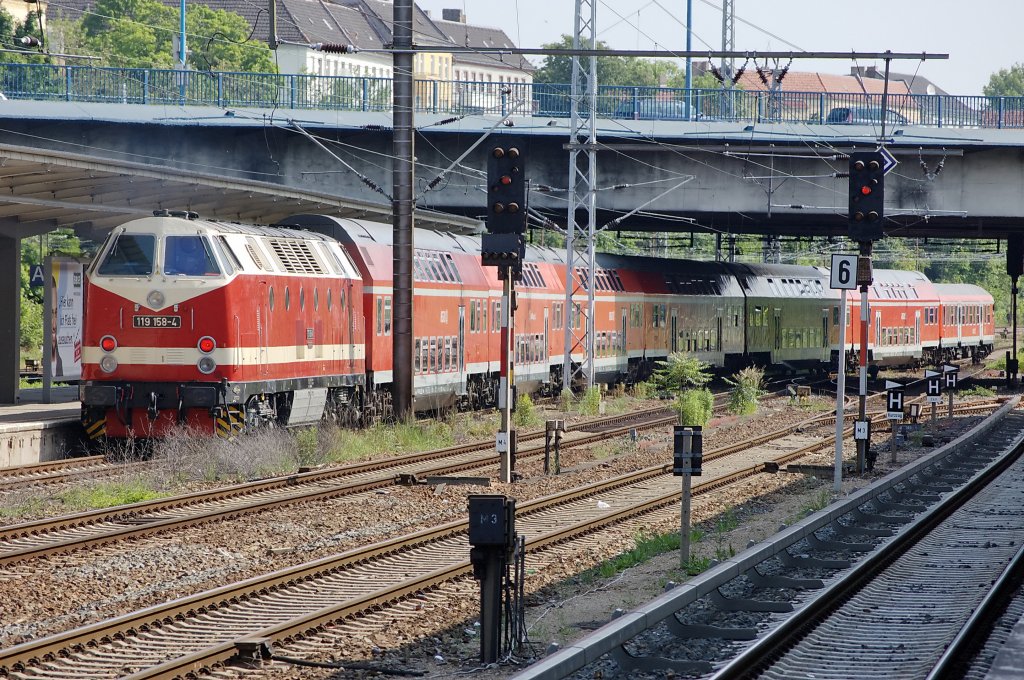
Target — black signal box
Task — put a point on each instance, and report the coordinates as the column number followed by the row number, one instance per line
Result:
column 491, row 520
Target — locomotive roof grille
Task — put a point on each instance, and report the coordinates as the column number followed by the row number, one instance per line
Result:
column 295, row 256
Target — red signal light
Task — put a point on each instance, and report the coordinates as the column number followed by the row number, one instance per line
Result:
column 506, row 180
column 207, row 345
column 108, row 344
column 865, row 190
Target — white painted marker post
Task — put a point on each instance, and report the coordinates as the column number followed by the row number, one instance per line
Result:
column 844, row 268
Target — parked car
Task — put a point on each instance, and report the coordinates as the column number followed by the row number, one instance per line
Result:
column 863, row 115
column 651, row 109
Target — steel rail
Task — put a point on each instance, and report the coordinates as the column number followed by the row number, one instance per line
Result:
column 15, row 658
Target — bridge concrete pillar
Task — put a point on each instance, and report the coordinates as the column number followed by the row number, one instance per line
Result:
column 10, row 327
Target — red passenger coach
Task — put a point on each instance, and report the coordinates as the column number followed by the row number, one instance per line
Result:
column 215, row 326
column 968, row 329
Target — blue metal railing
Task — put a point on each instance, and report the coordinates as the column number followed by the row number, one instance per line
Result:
column 346, row 93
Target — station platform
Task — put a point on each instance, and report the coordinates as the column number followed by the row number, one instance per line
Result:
column 33, row 432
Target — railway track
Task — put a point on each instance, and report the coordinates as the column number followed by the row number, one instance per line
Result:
column 201, row 630
column 96, row 527
column 751, row 616
column 62, row 472
column 38, row 538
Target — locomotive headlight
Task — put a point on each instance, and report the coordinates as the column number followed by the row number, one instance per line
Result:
column 206, row 365
column 155, row 300
column 108, row 363
column 108, row 343
column 206, row 344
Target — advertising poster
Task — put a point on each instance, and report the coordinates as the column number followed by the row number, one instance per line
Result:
column 65, row 337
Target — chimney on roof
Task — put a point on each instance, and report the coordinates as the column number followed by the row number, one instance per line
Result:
column 864, row 71
column 456, row 15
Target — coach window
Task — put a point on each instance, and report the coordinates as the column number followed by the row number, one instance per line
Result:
column 329, row 299
column 417, row 347
column 380, row 313
column 387, row 315
column 287, row 298
column 316, row 299
column 341, row 298
column 433, row 355
column 302, row 298
column 270, row 298
column 448, row 354
column 472, row 316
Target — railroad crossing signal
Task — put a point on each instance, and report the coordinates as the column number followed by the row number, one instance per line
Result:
column 867, row 195
column 893, row 400
column 950, row 373
column 934, row 389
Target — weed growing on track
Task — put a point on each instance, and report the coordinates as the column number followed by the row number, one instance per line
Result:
column 525, row 414
column 183, row 457
column 590, row 402
column 391, row 439
column 107, row 495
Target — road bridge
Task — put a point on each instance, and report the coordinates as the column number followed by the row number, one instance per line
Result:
column 732, row 177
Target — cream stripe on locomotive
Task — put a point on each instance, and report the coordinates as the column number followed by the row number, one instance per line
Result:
column 228, row 356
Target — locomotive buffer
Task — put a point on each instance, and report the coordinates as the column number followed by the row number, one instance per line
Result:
column 504, row 247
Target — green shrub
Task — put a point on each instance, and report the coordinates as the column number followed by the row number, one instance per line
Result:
column 525, row 414
column 590, row 402
column 681, row 372
column 695, row 407
column 748, row 387
column 645, row 390
column 976, row 391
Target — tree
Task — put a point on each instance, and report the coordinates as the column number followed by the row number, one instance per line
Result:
column 1006, row 82
column 144, row 34
column 611, row 70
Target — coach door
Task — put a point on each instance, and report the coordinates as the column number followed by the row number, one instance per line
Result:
column 623, row 345
column 546, row 340
column 461, row 354
column 674, row 340
column 777, row 329
column 350, row 306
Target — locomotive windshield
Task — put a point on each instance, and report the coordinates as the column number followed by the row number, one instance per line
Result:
column 189, row 256
column 130, row 255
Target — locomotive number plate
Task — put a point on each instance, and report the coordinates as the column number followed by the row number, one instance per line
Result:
column 156, row 321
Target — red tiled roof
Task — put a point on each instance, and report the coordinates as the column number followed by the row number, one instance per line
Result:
column 805, row 81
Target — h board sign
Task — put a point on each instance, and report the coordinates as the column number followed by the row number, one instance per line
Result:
column 950, row 373
column 934, row 387
column 893, row 400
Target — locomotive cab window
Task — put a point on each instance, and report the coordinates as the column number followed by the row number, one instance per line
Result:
column 189, row 256
column 130, row 255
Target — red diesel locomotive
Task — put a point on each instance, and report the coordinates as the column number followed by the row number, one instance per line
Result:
column 218, row 326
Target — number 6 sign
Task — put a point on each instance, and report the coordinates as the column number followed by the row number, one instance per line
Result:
column 844, row 272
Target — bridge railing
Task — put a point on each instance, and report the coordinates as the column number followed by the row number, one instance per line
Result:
column 348, row 93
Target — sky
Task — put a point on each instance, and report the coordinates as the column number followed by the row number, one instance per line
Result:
column 980, row 37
